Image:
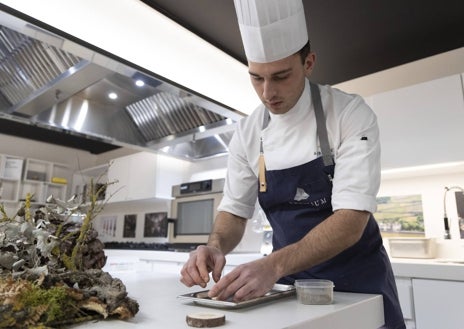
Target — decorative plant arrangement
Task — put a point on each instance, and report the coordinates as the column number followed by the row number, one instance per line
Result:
column 51, row 266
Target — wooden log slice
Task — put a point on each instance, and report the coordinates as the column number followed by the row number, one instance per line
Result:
column 205, row 320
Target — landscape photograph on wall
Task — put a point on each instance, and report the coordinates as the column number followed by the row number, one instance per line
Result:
column 400, row 216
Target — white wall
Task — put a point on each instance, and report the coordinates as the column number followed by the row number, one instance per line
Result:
column 139, row 209
column 430, row 184
column 427, row 69
column 208, row 169
column 74, row 158
column 431, row 187
column 27, row 148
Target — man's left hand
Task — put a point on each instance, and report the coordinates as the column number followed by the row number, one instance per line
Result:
column 246, row 281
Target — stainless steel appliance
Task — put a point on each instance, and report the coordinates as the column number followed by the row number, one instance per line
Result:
column 45, row 88
column 193, row 210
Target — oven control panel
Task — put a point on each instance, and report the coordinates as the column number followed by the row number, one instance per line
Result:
column 199, row 187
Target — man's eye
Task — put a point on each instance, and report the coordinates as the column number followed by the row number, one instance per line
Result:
column 280, row 77
column 256, row 78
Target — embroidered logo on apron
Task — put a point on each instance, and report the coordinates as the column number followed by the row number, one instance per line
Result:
column 300, row 195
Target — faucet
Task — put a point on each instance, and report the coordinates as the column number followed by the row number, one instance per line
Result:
column 445, row 217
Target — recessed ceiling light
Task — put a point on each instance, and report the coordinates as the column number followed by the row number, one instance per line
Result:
column 113, row 95
column 139, row 83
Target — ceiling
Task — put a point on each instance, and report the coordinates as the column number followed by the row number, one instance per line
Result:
column 351, row 38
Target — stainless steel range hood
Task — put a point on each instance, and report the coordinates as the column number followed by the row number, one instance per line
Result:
column 50, row 82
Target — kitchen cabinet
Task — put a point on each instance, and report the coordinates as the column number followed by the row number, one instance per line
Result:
column 83, row 178
column 42, row 179
column 421, row 124
column 430, row 292
column 118, row 176
column 11, row 168
column 20, row 176
column 143, row 175
column 406, row 297
column 438, row 304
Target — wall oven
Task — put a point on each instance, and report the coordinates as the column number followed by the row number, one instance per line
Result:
column 193, row 210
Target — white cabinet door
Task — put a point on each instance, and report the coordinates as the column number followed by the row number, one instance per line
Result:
column 118, row 180
column 421, row 124
column 405, row 295
column 11, row 169
column 438, row 304
column 170, row 171
column 144, row 175
column 84, row 177
column 44, row 179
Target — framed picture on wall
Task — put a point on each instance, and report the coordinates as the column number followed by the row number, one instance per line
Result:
column 107, row 226
column 156, row 224
column 130, row 224
column 400, row 216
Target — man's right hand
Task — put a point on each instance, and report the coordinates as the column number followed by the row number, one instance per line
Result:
column 201, row 262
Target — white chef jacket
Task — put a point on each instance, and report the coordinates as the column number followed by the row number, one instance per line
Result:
column 290, row 140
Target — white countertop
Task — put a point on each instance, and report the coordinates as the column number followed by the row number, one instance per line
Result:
column 438, row 269
column 159, row 308
column 171, row 256
column 156, row 292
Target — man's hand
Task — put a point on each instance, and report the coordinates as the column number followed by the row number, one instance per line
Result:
column 201, row 262
column 246, row 281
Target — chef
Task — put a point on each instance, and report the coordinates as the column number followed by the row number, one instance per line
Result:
column 310, row 154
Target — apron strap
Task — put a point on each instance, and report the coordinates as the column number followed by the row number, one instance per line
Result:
column 321, row 127
column 321, row 134
column 266, row 119
column 261, row 162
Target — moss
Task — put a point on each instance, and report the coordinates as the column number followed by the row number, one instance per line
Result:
column 68, row 262
column 55, row 298
column 76, row 256
column 27, row 207
column 3, row 213
column 6, row 320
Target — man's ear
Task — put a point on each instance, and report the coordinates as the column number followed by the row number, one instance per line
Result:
column 309, row 63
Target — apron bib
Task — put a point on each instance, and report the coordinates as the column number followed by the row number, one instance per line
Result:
column 297, row 199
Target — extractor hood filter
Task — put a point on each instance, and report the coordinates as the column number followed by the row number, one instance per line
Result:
column 165, row 114
column 27, row 65
column 45, row 87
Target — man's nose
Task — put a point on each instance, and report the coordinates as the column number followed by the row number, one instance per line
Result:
column 269, row 90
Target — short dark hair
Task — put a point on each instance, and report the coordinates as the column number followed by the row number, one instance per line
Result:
column 305, row 51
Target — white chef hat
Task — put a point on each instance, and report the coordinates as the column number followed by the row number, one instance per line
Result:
column 271, row 29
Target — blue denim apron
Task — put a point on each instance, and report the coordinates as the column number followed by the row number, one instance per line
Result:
column 297, row 199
